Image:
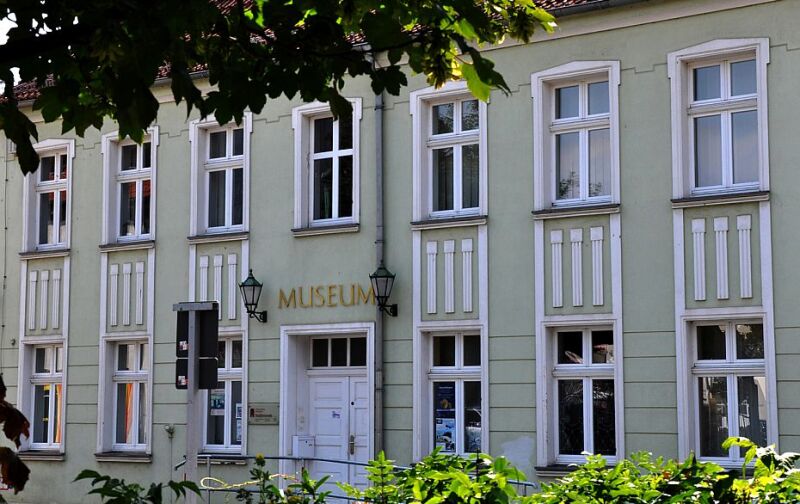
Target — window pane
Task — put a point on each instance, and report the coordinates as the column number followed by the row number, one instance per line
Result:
column 570, row 347
column 217, row 147
column 711, row 342
column 442, row 179
column 127, row 209
column 338, row 351
column 145, row 206
column 570, row 417
column 236, row 353
column 125, row 428
column 444, row 350
column 323, row 188
column 215, row 420
column 59, row 363
column 442, row 119
column 46, row 216
column 323, row 134
column 472, row 350
column 144, row 356
column 444, row 416
column 358, row 351
column 346, row 132
column 44, row 360
column 602, row 347
column 605, row 440
column 47, row 168
column 743, row 77
column 568, row 166
column 126, row 357
column 708, row 151
column 216, row 198
column 598, row 98
column 142, row 420
column 238, row 142
column 41, row 412
column 235, row 412
column 469, row 115
column 346, row 186
column 567, row 102
column 319, row 352
column 744, row 131
column 221, row 353
column 238, row 196
column 749, row 341
column 470, row 179
column 472, row 416
column 753, row 408
column 62, row 215
column 713, row 415
column 706, row 83
column 127, row 157
column 147, row 155
column 599, row 162
column 62, row 166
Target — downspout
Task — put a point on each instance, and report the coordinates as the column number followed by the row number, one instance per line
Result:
column 379, row 260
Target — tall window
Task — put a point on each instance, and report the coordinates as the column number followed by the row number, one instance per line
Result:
column 455, row 378
column 130, row 395
column 730, row 386
column 134, row 176
column 454, row 157
column 583, row 372
column 51, row 197
column 225, row 177
column 47, row 397
column 224, row 413
column 331, row 169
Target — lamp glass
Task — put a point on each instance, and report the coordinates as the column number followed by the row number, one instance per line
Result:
column 251, row 292
column 382, row 283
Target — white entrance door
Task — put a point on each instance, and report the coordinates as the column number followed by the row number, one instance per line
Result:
column 339, row 410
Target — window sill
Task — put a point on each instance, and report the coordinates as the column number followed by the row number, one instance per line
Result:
column 128, row 245
column 450, row 222
column 576, row 211
column 352, row 227
column 121, row 456
column 46, row 253
column 41, row 455
column 219, row 237
column 221, row 459
column 720, row 199
column 554, row 470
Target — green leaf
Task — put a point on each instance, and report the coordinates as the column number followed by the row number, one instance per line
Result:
column 477, row 87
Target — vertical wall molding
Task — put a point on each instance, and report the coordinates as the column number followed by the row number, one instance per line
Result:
column 596, row 234
column 432, row 249
column 44, row 281
column 139, row 293
column 55, row 316
column 466, row 274
column 721, row 237
column 218, row 283
column 126, row 294
column 449, row 283
column 32, row 276
column 744, row 225
column 576, row 239
column 203, row 278
column 556, row 244
column 112, row 311
column 232, row 285
column 699, row 246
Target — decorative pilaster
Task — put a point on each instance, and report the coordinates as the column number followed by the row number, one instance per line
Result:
column 44, row 278
column 699, row 254
column 449, row 284
column 596, row 234
column 139, row 293
column 126, row 294
column 56, row 306
column 232, row 285
column 576, row 239
column 466, row 274
column 744, row 225
column 203, row 278
column 113, row 294
column 218, row 283
column 556, row 244
column 432, row 249
column 721, row 238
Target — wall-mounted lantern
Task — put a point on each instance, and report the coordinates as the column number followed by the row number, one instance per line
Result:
column 251, row 292
column 382, row 281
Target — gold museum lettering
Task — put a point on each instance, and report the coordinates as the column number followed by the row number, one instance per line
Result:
column 318, row 296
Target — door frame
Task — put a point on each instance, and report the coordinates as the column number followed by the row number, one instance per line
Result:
column 293, row 376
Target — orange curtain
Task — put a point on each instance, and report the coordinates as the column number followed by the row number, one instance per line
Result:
column 128, row 412
column 57, row 431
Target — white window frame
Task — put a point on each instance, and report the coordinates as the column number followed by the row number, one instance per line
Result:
column 423, row 142
column 690, row 372
column 227, row 375
column 349, row 338
column 303, row 118
column 52, row 378
column 680, row 66
column 545, row 128
column 114, row 177
column 201, row 166
column 32, row 188
column 137, row 377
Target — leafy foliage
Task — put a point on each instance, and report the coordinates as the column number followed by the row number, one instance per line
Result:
column 304, row 491
column 100, row 59
column 118, row 491
column 13, row 471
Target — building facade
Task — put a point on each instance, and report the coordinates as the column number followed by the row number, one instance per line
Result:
column 601, row 260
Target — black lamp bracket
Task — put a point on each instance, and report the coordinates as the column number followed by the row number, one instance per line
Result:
column 390, row 310
column 260, row 316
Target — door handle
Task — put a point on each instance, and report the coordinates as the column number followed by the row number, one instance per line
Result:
column 351, row 445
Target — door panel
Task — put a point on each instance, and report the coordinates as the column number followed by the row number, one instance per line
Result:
column 328, row 397
column 359, row 428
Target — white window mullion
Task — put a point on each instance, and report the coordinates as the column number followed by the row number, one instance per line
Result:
column 588, row 432
column 459, row 407
column 134, row 421
column 733, row 413
column 51, row 414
